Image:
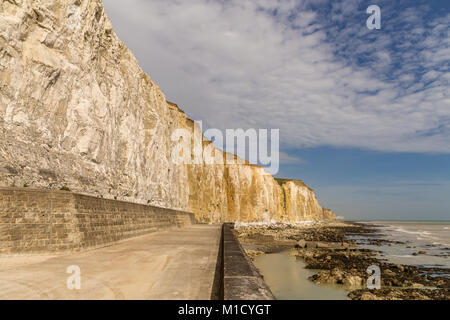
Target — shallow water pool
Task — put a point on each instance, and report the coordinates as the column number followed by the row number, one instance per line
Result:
column 287, row 277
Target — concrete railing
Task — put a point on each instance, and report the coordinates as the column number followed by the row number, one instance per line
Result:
column 241, row 280
column 44, row 220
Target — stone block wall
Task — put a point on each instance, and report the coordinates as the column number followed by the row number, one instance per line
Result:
column 44, row 220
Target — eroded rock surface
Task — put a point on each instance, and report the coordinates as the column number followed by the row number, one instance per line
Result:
column 77, row 112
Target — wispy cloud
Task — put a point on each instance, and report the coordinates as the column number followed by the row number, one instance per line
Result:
column 285, row 158
column 310, row 68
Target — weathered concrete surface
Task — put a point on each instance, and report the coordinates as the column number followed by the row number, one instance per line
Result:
column 174, row 264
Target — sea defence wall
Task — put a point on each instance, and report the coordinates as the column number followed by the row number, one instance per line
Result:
column 241, row 279
column 33, row 221
column 43, row 221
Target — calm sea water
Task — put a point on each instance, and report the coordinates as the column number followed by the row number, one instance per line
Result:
column 433, row 237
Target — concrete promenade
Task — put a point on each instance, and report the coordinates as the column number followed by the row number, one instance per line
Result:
column 174, row 264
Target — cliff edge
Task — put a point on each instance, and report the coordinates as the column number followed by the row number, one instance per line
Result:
column 77, row 112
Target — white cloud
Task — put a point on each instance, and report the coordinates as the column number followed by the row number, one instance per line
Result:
column 285, row 158
column 271, row 64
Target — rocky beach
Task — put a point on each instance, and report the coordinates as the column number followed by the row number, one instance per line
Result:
column 331, row 249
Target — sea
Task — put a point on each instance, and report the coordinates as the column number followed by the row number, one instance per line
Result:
column 287, row 276
column 432, row 238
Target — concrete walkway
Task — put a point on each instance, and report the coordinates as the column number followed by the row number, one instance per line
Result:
column 174, row 264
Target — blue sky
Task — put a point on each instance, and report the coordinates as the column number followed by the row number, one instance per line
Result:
column 364, row 115
column 363, row 184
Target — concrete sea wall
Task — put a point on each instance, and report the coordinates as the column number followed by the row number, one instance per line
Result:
column 42, row 221
column 241, row 279
column 45, row 221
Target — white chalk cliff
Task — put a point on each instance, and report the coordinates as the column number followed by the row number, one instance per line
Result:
column 77, row 111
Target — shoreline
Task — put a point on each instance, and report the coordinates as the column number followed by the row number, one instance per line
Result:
column 325, row 246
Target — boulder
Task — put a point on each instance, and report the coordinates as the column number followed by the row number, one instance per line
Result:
column 369, row 296
column 353, row 281
column 400, row 268
column 389, row 273
column 301, row 244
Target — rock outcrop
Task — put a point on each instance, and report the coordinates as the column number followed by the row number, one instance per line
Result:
column 77, row 112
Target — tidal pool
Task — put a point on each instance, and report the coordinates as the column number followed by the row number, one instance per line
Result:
column 287, row 277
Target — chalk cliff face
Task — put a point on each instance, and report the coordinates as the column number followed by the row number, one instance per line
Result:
column 77, row 111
